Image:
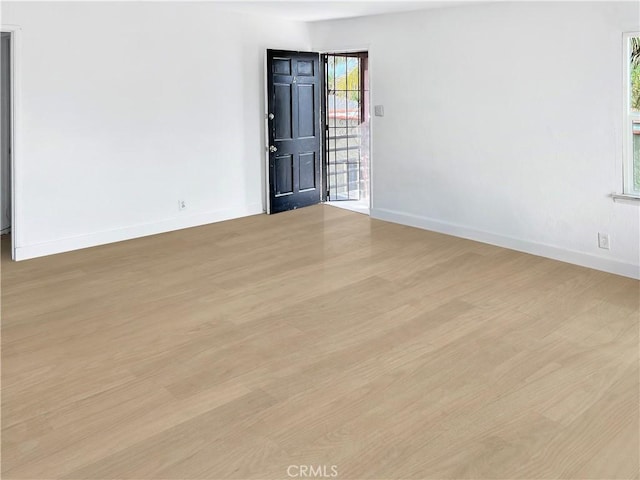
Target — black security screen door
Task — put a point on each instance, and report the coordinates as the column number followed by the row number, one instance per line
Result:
column 346, row 137
column 294, row 87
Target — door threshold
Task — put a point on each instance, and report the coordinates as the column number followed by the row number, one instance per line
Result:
column 358, row 207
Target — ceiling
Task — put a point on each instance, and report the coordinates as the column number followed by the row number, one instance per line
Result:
column 311, row 11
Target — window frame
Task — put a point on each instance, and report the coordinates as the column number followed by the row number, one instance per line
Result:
column 629, row 118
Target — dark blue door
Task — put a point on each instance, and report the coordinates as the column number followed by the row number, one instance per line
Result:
column 294, row 86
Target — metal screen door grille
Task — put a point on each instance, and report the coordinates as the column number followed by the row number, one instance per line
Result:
column 345, row 116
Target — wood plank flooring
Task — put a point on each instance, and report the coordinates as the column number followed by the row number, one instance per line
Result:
column 317, row 337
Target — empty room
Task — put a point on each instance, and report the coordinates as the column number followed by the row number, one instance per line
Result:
column 304, row 239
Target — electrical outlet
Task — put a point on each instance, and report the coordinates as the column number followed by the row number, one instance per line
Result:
column 182, row 205
column 603, row 240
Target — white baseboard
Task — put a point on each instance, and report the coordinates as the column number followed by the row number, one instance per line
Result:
column 127, row 233
column 548, row 251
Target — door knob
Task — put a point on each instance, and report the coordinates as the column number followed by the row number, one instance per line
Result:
column 272, row 149
column 271, row 116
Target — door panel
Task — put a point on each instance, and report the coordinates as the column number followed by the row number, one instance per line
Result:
column 282, row 66
column 284, row 107
column 293, row 86
column 308, row 169
column 283, row 175
column 306, row 111
column 305, row 68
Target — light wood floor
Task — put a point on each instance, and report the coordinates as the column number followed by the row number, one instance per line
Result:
column 316, row 337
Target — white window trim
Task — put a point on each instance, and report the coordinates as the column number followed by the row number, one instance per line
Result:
column 628, row 118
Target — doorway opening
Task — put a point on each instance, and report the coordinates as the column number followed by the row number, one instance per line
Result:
column 6, row 127
column 346, row 134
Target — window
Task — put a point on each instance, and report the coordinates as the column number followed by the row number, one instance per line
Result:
column 632, row 114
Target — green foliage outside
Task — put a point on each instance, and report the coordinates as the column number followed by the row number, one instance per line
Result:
column 635, row 73
column 635, row 88
column 344, row 74
column 350, row 81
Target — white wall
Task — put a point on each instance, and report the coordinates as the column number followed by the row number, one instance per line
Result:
column 502, row 123
column 129, row 107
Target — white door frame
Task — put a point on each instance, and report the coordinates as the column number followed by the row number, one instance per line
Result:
column 15, row 134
